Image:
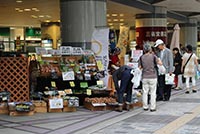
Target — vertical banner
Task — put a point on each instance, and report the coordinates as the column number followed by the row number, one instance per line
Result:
column 123, row 40
column 100, row 45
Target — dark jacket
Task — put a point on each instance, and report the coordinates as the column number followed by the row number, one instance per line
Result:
column 177, row 64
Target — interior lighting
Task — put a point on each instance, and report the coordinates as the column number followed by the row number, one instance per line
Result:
column 19, row 1
column 108, row 15
column 109, row 20
column 20, row 10
column 48, row 16
column 47, row 20
column 121, row 15
column 35, row 9
column 41, row 16
column 17, row 9
column 121, row 19
column 27, row 9
column 114, row 15
column 121, row 24
column 34, row 16
column 110, row 24
column 115, row 20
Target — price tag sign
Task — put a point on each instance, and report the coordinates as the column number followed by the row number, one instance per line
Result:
column 72, row 84
column 83, row 84
column 89, row 92
column 53, row 84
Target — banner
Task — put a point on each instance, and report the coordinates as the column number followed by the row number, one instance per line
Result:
column 100, row 44
column 123, row 40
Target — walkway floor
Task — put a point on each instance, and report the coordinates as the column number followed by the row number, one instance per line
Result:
column 180, row 115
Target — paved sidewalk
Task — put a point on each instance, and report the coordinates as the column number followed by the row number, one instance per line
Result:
column 180, row 115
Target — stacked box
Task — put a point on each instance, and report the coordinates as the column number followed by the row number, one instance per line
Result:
column 40, row 106
column 3, row 108
column 67, row 108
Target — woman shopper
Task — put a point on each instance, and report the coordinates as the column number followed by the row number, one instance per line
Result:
column 177, row 69
column 189, row 68
column 148, row 63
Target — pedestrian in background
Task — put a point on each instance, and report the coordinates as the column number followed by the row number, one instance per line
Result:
column 166, row 57
column 189, row 68
column 177, row 69
column 148, row 63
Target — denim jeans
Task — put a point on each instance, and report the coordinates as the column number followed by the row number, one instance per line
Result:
column 125, row 86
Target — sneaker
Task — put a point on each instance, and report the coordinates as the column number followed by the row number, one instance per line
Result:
column 187, row 92
column 194, row 91
column 146, row 109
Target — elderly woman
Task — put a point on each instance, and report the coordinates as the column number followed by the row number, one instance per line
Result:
column 148, row 63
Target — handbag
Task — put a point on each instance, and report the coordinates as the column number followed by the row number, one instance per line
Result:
column 187, row 62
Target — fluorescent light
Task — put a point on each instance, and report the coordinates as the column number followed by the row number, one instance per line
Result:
column 17, row 9
column 108, row 15
column 19, row 1
column 121, row 15
column 41, row 16
column 109, row 20
column 110, row 24
column 114, row 15
column 34, row 16
column 115, row 20
column 121, row 19
column 27, row 9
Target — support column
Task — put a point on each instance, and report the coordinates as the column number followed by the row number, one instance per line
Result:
column 78, row 20
column 188, row 34
column 151, row 26
column 51, row 30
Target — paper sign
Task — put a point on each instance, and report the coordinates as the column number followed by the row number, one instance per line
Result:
column 72, row 84
column 83, row 84
column 68, row 75
column 56, row 103
column 65, row 50
column 68, row 91
column 89, row 92
column 53, row 83
column 99, row 82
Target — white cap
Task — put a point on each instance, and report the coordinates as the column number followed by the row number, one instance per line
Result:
column 158, row 42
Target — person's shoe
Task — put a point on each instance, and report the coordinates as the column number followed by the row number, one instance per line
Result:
column 145, row 109
column 127, row 107
column 119, row 108
column 194, row 91
column 159, row 99
column 187, row 92
column 152, row 110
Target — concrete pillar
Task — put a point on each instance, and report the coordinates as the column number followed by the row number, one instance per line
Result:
column 51, row 31
column 78, row 20
column 188, row 33
column 151, row 26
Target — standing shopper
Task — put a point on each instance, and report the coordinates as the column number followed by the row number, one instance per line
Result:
column 124, row 75
column 177, row 70
column 189, row 68
column 148, row 63
column 166, row 56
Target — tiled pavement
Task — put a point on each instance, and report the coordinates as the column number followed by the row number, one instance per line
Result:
column 180, row 115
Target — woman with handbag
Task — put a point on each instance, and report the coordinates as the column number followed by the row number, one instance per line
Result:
column 189, row 68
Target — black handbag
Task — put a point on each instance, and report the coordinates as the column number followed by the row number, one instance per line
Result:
column 183, row 78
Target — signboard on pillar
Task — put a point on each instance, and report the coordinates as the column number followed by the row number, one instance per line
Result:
column 150, row 34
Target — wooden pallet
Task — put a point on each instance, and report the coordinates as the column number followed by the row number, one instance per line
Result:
column 3, row 108
column 40, row 106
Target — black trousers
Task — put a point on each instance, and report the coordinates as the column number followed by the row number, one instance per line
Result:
column 163, row 90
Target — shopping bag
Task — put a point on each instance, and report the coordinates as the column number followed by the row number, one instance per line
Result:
column 197, row 74
column 169, row 79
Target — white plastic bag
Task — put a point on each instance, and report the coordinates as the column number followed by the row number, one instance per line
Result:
column 169, row 79
column 161, row 69
column 137, row 76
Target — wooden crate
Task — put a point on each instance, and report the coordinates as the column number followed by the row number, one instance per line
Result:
column 16, row 113
column 3, row 108
column 40, row 106
column 94, row 108
column 54, row 110
column 66, row 108
column 69, row 109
